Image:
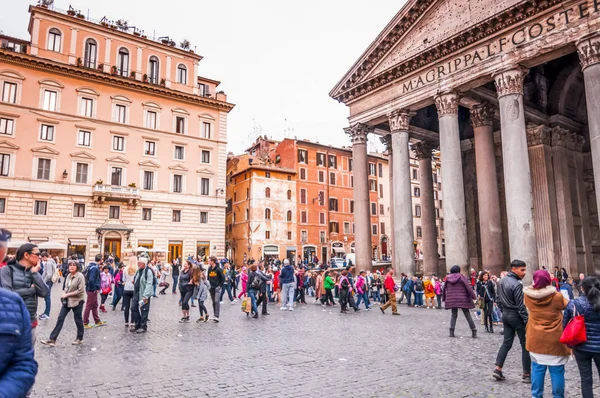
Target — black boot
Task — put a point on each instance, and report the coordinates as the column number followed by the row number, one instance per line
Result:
column 491, row 328
column 474, row 333
column 487, row 330
column 451, row 332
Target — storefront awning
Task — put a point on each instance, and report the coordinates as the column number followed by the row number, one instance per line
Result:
column 38, row 239
column 15, row 244
column 52, row 246
column 271, row 250
column 339, row 250
column 78, row 242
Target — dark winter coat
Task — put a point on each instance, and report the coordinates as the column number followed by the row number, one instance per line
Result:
column 29, row 285
column 592, row 323
column 458, row 292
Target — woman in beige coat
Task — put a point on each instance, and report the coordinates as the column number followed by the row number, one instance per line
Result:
column 319, row 291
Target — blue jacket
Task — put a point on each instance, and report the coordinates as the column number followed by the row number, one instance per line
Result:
column 569, row 288
column 17, row 366
column 408, row 286
column 92, row 280
column 592, row 323
column 287, row 275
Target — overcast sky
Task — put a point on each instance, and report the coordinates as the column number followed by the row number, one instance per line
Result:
column 277, row 59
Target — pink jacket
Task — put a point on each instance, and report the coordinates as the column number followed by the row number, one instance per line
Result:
column 244, row 279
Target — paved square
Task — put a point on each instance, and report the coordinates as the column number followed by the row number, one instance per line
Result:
column 308, row 352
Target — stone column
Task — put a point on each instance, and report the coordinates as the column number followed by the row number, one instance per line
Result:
column 490, row 221
column 402, row 199
column 387, row 141
column 452, row 177
column 589, row 55
column 430, row 248
column 362, row 217
column 517, row 174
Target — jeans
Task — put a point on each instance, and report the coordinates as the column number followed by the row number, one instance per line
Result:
column 165, row 286
column 376, row 295
column 77, row 310
column 467, row 315
column 287, row 294
column 487, row 315
column 202, row 308
column 299, row 296
column 215, row 293
column 557, row 377
column 175, row 279
column 362, row 297
column 139, row 315
column 513, row 323
column 409, row 298
column 328, row 297
column 186, row 294
column 226, row 288
column 91, row 304
column 47, row 299
column 419, row 299
column 584, row 363
column 264, row 300
column 127, row 298
column 118, row 293
column 252, row 294
column 439, row 301
column 344, row 298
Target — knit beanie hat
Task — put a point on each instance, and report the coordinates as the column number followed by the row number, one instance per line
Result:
column 541, row 279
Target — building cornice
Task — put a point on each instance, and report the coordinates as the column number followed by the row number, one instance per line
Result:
column 47, row 66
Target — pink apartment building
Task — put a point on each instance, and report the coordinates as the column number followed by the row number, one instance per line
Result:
column 109, row 141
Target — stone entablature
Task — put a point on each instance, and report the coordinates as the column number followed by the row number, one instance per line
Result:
column 555, row 137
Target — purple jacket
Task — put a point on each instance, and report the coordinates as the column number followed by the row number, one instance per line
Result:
column 458, row 292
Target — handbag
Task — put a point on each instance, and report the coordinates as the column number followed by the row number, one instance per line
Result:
column 106, row 290
column 481, row 303
column 574, row 333
column 246, row 304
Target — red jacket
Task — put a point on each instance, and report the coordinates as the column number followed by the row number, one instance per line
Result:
column 389, row 283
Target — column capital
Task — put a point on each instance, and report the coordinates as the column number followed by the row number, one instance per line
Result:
column 387, row 141
column 510, row 81
column 567, row 139
column 447, row 103
column 588, row 49
column 539, row 135
column 358, row 133
column 482, row 115
column 423, row 149
column 400, row 120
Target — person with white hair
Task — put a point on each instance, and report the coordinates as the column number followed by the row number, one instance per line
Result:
column 287, row 280
column 142, row 292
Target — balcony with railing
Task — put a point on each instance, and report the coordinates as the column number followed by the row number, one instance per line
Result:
column 116, row 193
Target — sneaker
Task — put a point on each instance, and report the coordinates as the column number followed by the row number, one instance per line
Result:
column 291, row 308
column 215, row 319
column 182, row 320
column 133, row 330
column 206, row 319
column 527, row 379
column 44, row 316
column 87, row 326
column 235, row 300
column 127, row 325
column 101, row 323
column 140, row 331
column 77, row 342
column 395, row 313
column 49, row 343
column 220, row 302
column 497, row 374
column 201, row 319
column 283, row 308
column 382, row 310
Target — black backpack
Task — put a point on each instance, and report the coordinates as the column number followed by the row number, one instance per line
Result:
column 419, row 285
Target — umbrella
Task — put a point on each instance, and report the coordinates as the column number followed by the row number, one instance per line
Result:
column 141, row 249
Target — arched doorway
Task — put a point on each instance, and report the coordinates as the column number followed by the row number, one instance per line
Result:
column 384, row 248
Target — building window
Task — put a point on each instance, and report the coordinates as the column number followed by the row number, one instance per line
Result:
column 203, row 90
column 81, row 173
column 148, row 180
column 302, row 156
column 147, row 214
column 203, row 217
column 114, row 212
column 302, row 173
column 437, row 213
column 47, row 133
column 372, row 169
column 50, row 100
column 247, row 214
column 382, row 228
column 121, row 113
column 321, row 176
column 6, row 126
column 267, row 192
column 206, row 130
column 373, row 209
column 78, row 210
column 9, row 92
column 351, row 206
column 204, row 186
column 118, row 143
column 419, row 232
column 267, row 214
column 334, row 227
column 322, row 237
column 414, row 174
column 123, row 62
column 2, row 205
column 304, row 236
column 320, row 159
column 350, row 164
column 116, row 176
column 176, row 215
column 177, row 183
column 303, row 217
column 417, row 211
column 151, row 120
column 89, row 59
column 179, row 124
column 322, row 218
column 43, row 170
column 54, row 37
column 303, row 196
column 289, row 194
column 381, row 212
column 40, row 207
column 289, row 215
column 333, row 161
column 87, row 107
column 153, row 69
column 416, row 192
column 346, row 227
column 381, row 191
column 321, row 198
column 205, row 156
column 373, row 185
column 374, row 229
column 84, row 138
column 149, row 148
column 441, row 224
column 380, row 165
column 351, row 181
column 333, row 204
column 267, row 234
column 289, row 234
column 267, row 174
column 332, row 178
column 247, row 193
column 179, row 152
column 181, row 74
column 440, row 203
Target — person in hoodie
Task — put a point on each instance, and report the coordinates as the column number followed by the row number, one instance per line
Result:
column 543, row 333
column 567, row 289
column 458, row 294
column 216, row 280
column 287, row 281
column 408, row 288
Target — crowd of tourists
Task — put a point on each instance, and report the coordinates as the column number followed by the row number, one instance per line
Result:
column 547, row 317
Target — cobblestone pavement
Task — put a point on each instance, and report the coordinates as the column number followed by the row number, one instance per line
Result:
column 308, row 352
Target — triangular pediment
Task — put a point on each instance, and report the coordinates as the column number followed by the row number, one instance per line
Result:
column 178, row 167
column 117, row 159
column 82, row 155
column 45, row 150
column 149, row 163
column 206, row 171
column 421, row 25
column 8, row 145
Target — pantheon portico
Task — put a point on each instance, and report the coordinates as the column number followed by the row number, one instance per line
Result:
column 509, row 92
